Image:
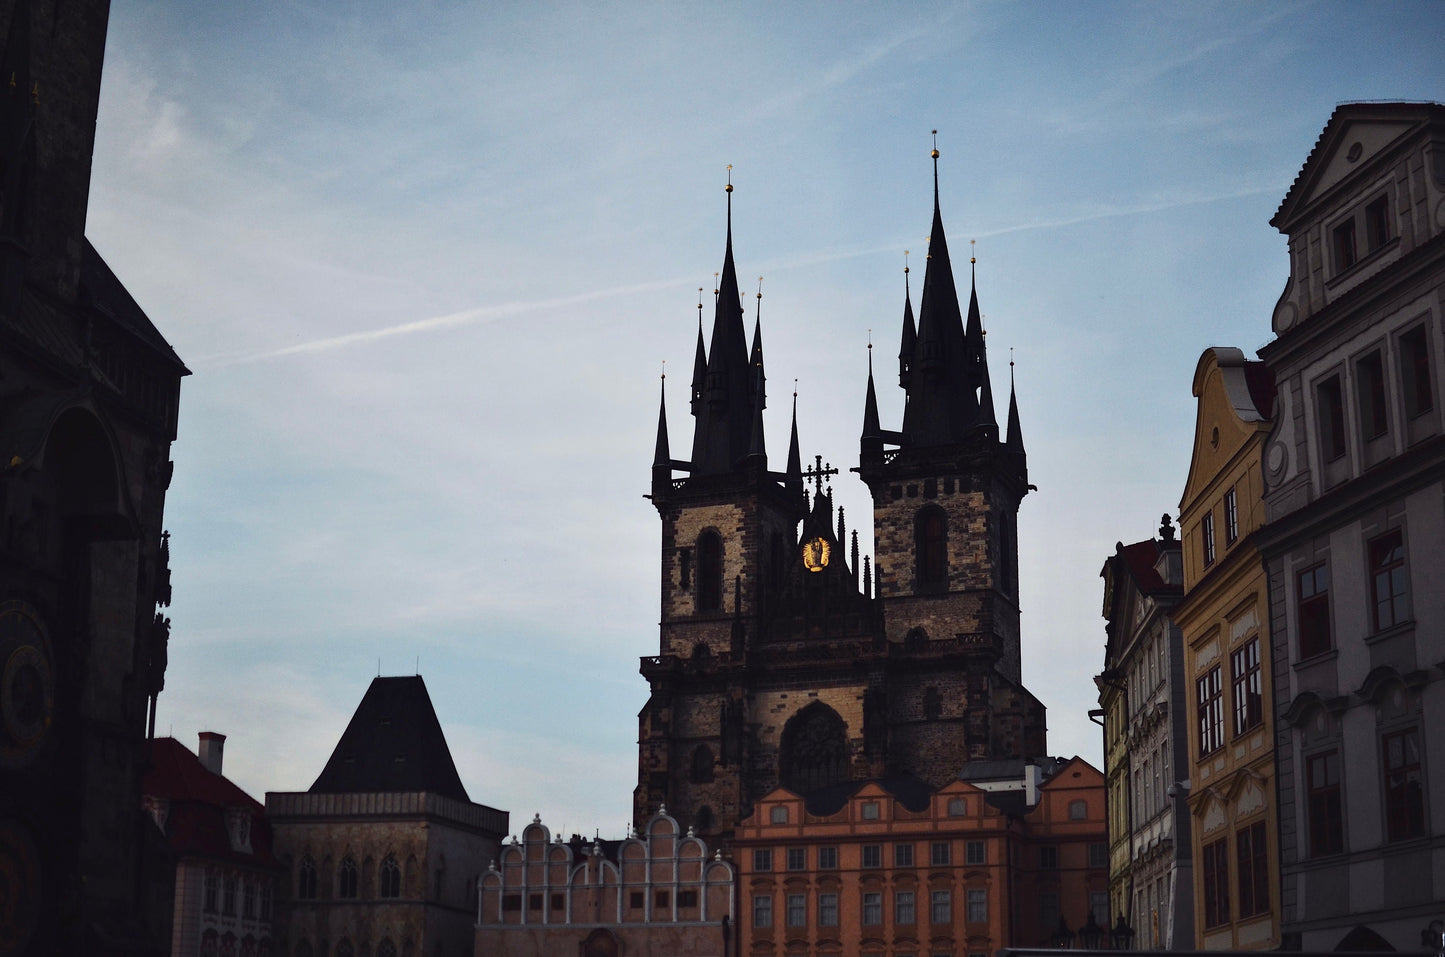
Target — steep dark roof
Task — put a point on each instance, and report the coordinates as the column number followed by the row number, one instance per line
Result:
column 910, row 791
column 1261, row 387
column 1141, row 557
column 196, row 818
column 393, row 743
column 104, row 292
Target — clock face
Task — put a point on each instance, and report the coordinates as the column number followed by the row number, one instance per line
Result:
column 816, row 554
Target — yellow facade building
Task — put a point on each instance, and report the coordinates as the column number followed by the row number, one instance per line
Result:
column 1224, row 620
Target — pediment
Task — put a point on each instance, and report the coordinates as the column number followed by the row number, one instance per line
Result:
column 1352, row 148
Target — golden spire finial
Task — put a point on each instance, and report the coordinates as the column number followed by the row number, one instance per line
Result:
column 760, row 287
column 714, row 284
column 795, row 388
column 664, row 370
column 934, row 154
column 730, row 178
column 971, row 257
column 905, row 262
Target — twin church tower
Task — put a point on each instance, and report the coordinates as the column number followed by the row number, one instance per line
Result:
column 782, row 662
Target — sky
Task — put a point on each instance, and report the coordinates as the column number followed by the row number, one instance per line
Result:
column 426, row 262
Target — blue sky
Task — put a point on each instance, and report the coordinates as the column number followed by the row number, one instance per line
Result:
column 426, row 262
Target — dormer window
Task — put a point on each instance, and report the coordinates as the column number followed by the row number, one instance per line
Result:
column 238, row 825
column 1372, row 224
column 1377, row 223
column 1344, row 246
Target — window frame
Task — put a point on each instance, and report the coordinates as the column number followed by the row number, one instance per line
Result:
column 1246, row 687
column 871, row 913
column 1209, row 711
column 975, row 905
column 762, row 910
column 828, row 857
column 871, row 857
column 1324, row 803
column 969, row 856
column 1215, row 870
column 1403, row 782
column 940, row 853
column 1330, row 411
column 1251, row 847
column 796, row 859
column 904, row 907
column 930, row 540
column 795, row 910
column 762, row 859
column 902, row 855
column 1387, row 560
column 711, row 560
column 1417, row 383
column 940, row 906
column 1206, row 532
column 1371, row 397
column 1313, row 610
column 828, row 909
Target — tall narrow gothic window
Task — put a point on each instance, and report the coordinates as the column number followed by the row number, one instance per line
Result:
column 346, row 878
column 306, row 879
column 931, row 545
column 709, row 572
column 390, row 883
column 814, row 749
column 702, row 762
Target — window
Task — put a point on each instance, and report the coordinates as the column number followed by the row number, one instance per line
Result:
column 1078, row 810
column 346, row 878
column 534, row 901
column 973, row 852
column 762, row 910
column 870, row 811
column 940, row 854
column 1049, row 911
column 1344, row 245
column 248, row 900
column 211, row 890
column 827, row 910
column 1210, row 699
column 1206, row 530
column 797, row 858
column 762, row 859
column 1231, row 517
column 513, row 902
column 977, row 904
column 709, row 572
column 305, row 881
column 702, row 762
column 940, row 910
column 636, row 900
column 1327, row 831
column 1370, row 372
column 1252, row 852
column 1415, row 373
column 265, row 900
column 872, row 855
column 558, row 901
column 815, row 750
column 1377, row 223
column 1331, row 404
column 1245, row 686
column 1048, row 857
column 1404, row 793
column 957, row 807
column 389, row 882
column 778, row 815
column 1216, row 883
column 902, row 855
column 872, row 908
column 228, row 896
column 661, row 900
column 1099, row 907
column 1098, row 855
column 827, row 858
column 686, row 899
column 1314, row 610
column 903, row 908
column 1389, row 586
column 931, row 542
column 797, row 915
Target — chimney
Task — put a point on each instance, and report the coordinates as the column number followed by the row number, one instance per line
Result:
column 1032, row 776
column 212, row 745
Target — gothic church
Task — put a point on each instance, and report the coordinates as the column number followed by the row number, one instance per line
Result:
column 782, row 662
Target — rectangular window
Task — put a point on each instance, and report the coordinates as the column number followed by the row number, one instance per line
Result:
column 1314, row 610
column 1344, row 246
column 1415, row 373
column 534, row 901
column 1331, row 404
column 636, row 899
column 1389, row 585
column 903, row 908
column 797, row 910
column 1098, row 855
column 827, row 910
column 940, row 909
column 661, row 900
column 1252, row 853
column 973, row 852
column 1048, row 857
column 211, row 890
column 827, row 858
column 902, row 855
column 1404, row 786
column 1231, row 517
column 762, row 859
column 1245, row 687
column 1370, row 373
column 1048, row 911
column 1206, row 531
column 559, row 901
column 797, row 858
column 1099, row 907
column 872, row 855
column 1210, row 700
column 762, row 910
column 686, row 899
column 513, row 902
column 1216, row 883
column 870, row 811
column 1327, row 831
column 1377, row 223
column 977, row 904
column 872, row 908
column 778, row 815
column 940, row 854
column 957, row 807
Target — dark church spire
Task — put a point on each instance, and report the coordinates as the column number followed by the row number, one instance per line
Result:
column 793, row 478
column 1014, row 441
column 871, row 443
column 699, row 362
column 910, row 333
column 976, row 351
column 662, row 455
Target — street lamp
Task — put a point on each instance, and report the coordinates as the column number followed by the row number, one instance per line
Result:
column 1091, row 934
column 1122, row 936
column 1063, row 937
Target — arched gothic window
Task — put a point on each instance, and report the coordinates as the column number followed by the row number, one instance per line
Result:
column 346, row 881
column 600, row 943
column 814, row 749
column 702, row 762
column 306, row 879
column 931, row 547
column 709, row 571
column 390, row 882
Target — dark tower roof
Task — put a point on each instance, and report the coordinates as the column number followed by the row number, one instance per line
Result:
column 393, row 743
column 1014, row 441
column 662, row 455
column 723, row 435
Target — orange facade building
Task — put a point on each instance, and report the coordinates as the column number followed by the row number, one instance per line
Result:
column 893, row 868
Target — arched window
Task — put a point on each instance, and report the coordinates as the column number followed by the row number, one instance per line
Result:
column 709, row 571
column 306, row 879
column 600, row 943
column 346, row 882
column 702, row 762
column 814, row 749
column 931, row 547
column 390, row 883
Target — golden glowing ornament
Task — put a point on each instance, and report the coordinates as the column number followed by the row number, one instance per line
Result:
column 816, row 554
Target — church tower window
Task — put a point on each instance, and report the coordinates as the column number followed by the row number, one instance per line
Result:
column 702, row 762
column 814, row 749
column 931, row 534
column 709, row 572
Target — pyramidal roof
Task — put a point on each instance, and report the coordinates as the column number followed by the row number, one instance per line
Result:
column 393, row 743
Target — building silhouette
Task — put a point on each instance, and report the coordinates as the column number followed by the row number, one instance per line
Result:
column 781, row 662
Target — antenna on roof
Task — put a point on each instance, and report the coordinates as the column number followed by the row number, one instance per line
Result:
column 418, row 665
column 378, row 666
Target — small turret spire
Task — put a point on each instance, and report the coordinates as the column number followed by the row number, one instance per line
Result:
column 1014, row 441
column 794, row 475
column 871, row 443
column 662, row 455
column 699, row 362
column 910, row 332
column 756, row 360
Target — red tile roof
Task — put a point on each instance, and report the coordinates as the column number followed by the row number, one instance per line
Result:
column 1141, row 557
column 196, row 820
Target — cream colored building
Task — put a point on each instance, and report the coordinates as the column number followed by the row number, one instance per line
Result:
column 1224, row 620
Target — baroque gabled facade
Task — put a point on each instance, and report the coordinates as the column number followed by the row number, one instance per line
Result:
column 1356, row 505
column 781, row 662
